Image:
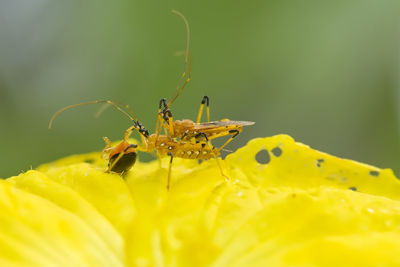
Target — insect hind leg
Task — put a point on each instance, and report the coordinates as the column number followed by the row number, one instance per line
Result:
column 234, row 133
column 208, row 143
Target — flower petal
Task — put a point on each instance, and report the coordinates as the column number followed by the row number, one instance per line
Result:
column 37, row 183
column 297, row 165
column 35, row 232
column 108, row 193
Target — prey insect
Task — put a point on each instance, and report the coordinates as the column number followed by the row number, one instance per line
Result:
column 122, row 157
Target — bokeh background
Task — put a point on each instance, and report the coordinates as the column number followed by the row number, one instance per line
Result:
column 324, row 72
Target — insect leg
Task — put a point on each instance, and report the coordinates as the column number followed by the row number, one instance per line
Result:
column 216, row 160
column 235, row 133
column 202, row 134
column 164, row 118
column 128, row 132
column 107, row 148
column 169, row 169
column 205, row 100
column 212, row 151
column 108, row 142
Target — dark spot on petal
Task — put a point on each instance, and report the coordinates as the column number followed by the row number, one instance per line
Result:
column 263, row 157
column 319, row 161
column 90, row 161
column 276, row 151
column 353, row 188
column 374, row 173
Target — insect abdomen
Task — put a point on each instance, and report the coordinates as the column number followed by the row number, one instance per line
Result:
column 196, row 151
column 187, row 150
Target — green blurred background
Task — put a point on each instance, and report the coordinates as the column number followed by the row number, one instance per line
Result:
column 324, row 72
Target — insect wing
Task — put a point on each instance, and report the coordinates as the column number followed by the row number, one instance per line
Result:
column 217, row 124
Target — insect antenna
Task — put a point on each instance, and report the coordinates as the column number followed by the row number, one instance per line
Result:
column 131, row 111
column 106, row 105
column 188, row 61
column 116, row 106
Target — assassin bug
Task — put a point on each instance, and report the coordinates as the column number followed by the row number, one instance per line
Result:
column 183, row 139
column 123, row 156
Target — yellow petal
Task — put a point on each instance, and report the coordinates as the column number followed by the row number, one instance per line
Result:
column 36, row 232
column 39, row 184
column 297, row 165
column 284, row 205
column 108, row 193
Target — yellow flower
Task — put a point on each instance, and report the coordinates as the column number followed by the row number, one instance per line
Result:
column 286, row 205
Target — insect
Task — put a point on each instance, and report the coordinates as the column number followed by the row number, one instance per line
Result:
column 123, row 156
column 183, row 138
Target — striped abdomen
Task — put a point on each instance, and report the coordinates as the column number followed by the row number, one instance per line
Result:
column 183, row 149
